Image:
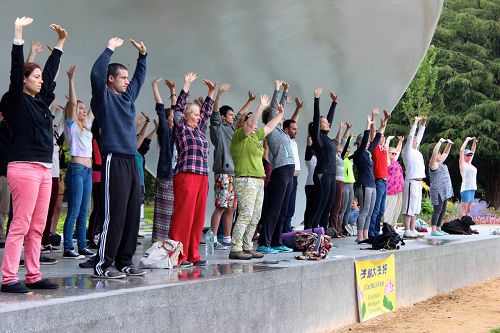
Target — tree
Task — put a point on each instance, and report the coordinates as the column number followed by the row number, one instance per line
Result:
column 465, row 99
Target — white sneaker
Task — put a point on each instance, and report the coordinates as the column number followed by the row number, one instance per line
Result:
column 408, row 234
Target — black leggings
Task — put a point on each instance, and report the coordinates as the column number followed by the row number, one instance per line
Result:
column 309, row 211
column 95, row 219
column 438, row 213
column 273, row 216
column 325, row 186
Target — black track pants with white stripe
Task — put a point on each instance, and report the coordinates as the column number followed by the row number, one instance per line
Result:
column 121, row 203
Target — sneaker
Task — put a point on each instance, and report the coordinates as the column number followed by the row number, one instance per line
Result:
column 110, row 273
column 266, row 249
column 443, row 232
column 133, row 271
column 2, row 245
column 21, row 263
column 240, row 255
column 92, row 245
column 50, row 248
column 228, row 244
column 185, row 264
column 86, row 252
column 417, row 234
column 408, row 234
column 254, row 254
column 219, row 246
column 42, row 284
column 436, row 233
column 15, row 287
column 282, row 248
column 140, row 236
column 71, row 254
column 200, row 262
column 88, row 264
column 44, row 260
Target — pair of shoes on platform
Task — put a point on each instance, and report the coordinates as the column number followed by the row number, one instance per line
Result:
column 221, row 246
column 113, row 273
column 245, row 255
column 19, row 288
column 50, row 249
column 44, row 260
column 199, row 263
column 409, row 234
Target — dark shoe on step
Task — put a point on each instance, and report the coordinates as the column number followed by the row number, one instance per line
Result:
column 15, row 287
column 200, row 262
column 255, row 254
column 240, row 255
column 44, row 260
column 88, row 264
column 86, row 252
column 42, row 284
column 185, row 264
column 110, row 273
column 133, row 271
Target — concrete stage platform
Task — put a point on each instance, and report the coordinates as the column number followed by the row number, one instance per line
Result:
column 246, row 296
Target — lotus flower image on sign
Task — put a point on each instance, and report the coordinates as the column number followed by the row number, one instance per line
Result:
column 376, row 287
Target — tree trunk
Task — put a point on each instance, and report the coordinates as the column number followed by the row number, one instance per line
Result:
column 489, row 178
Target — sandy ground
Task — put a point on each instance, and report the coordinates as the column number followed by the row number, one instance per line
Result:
column 475, row 308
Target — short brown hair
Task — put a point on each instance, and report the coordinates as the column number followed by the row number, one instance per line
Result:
column 29, row 67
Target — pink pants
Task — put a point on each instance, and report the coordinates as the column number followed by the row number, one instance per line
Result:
column 30, row 185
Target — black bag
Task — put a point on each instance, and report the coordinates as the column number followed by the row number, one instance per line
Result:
column 388, row 240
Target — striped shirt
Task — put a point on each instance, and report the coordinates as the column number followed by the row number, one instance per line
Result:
column 441, row 187
column 191, row 143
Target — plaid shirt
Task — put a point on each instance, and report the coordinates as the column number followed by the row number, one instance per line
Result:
column 191, row 143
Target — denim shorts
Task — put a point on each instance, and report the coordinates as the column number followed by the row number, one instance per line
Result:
column 467, row 196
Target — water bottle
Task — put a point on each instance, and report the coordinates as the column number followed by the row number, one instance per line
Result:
column 209, row 242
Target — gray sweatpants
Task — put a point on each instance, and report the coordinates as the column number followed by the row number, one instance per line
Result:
column 366, row 198
column 346, row 204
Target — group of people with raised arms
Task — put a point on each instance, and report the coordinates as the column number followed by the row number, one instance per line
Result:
column 255, row 168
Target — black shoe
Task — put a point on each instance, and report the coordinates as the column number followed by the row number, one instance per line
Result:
column 185, row 264
column 15, row 287
column 92, row 245
column 42, row 284
column 21, row 263
column 86, row 252
column 88, row 264
column 44, row 260
column 200, row 262
column 140, row 236
column 110, row 273
column 71, row 254
column 133, row 271
column 2, row 245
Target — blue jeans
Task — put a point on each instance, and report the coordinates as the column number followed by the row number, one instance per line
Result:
column 79, row 186
column 378, row 209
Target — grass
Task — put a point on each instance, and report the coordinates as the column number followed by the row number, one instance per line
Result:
column 148, row 218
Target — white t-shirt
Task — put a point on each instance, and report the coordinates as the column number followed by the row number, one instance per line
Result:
column 295, row 151
column 469, row 178
column 79, row 141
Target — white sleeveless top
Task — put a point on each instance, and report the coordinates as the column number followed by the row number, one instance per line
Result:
column 79, row 141
column 468, row 178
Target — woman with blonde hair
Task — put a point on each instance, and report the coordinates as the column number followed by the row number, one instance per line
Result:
column 469, row 174
column 78, row 179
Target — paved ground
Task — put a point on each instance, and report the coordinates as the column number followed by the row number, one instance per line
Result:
column 75, row 281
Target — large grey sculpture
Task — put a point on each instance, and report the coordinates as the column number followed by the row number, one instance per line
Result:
column 367, row 51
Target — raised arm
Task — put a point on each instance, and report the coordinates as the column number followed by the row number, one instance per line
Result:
column 137, row 81
column 366, row 135
column 375, row 113
column 252, row 121
column 98, row 79
column 447, row 149
column 299, row 104
column 409, row 140
column 171, row 88
column 223, row 88
column 70, row 110
column 35, row 48
column 316, row 117
column 274, row 99
column 17, row 62
column 342, row 126
column 347, row 131
column 346, row 145
column 331, row 112
column 421, row 130
column 142, row 133
column 461, row 159
column 156, row 92
column 271, row 125
column 208, row 104
column 152, row 134
column 433, row 164
column 473, row 148
column 246, row 106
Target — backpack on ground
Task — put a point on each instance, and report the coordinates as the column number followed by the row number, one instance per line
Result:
column 388, row 240
column 162, row 254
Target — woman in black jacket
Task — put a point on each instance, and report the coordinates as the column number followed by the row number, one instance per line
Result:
column 26, row 108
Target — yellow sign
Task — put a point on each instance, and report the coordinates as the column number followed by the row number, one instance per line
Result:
column 376, row 282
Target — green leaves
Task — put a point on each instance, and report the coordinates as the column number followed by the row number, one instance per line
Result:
column 388, row 304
